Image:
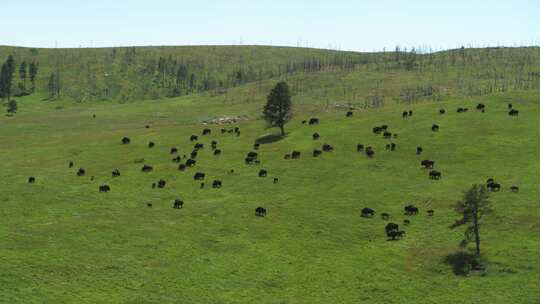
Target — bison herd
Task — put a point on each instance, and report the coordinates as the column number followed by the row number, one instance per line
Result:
column 392, row 229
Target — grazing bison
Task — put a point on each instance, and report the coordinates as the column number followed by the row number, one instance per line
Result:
column 370, row 152
column 442, row 111
column 359, row 148
column 387, row 135
column 385, row 216
column 236, row 129
column 392, row 231
column 510, row 106
column 377, row 130
column 327, row 148
column 214, row 144
column 314, row 121
column 193, row 138
column 480, row 106
column 161, row 184
column 147, row 127
column 405, row 114
column 206, row 132
column 176, row 159
column 411, row 210
column 427, row 164
column 223, row 131
column 104, row 188
column 217, row 152
column 410, row 112
column 178, row 204
column 494, row 187
column 147, row 168
column 436, row 175
column 70, row 165
column 287, row 156
column 151, row 144
column 367, row 212
column 216, row 184
column 202, row 186
column 513, row 112
column 316, row 136
column 260, row 211
column 406, row 222
column 81, row 172
column 295, row 155
column 349, row 114
column 249, row 160
column 430, row 212
column 317, row 153
column 263, row 173
column 194, row 153
column 419, row 150
column 253, row 155
column 198, row 146
column 174, row 150
column 304, row 122
column 149, row 205
column 191, row 162
column 126, row 140
column 276, row 180
column 514, row 189
column 199, row 176
column 31, row 180
column 116, row 173
column 435, row 128
column 256, row 146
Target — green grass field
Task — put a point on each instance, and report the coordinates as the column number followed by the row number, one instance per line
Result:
column 61, row 241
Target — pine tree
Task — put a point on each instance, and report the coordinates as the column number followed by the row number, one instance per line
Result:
column 23, row 74
column 277, row 110
column 33, row 70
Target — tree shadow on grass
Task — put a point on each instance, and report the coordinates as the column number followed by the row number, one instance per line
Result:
column 269, row 138
column 463, row 262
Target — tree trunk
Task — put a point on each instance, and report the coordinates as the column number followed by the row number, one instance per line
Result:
column 282, row 128
column 476, row 230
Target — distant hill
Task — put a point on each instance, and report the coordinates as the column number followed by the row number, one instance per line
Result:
column 365, row 79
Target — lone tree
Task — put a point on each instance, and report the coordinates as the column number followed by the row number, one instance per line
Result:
column 277, row 110
column 473, row 207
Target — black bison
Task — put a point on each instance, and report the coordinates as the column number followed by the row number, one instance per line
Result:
column 217, row 152
column 191, row 162
column 193, row 138
column 367, row 212
column 316, row 136
column 214, row 144
column 510, row 106
column 327, row 148
column 419, row 150
column 216, row 184
column 263, row 173
column 317, row 153
column 199, row 176
column 115, row 173
column 71, row 164
column 31, row 180
column 287, row 156
column 370, row 152
column 393, row 232
column 387, row 135
column 260, row 211
column 513, row 112
column 304, row 122
column 359, row 148
column 202, row 186
column 494, row 187
column 276, row 180
column 442, row 111
column 435, row 128
column 253, row 155
column 514, row 189
column 430, row 212
column 198, row 146
column 385, row 216
column 178, row 204
column 314, row 121
column 151, row 144
column 349, row 114
column 427, row 164
column 480, row 106
column 104, row 188
column 154, row 185
column 161, row 184
column 194, row 154
column 436, row 175
column 182, row 167
column 126, row 140
column 295, row 155
column 81, row 172
column 256, row 146
column 177, row 159
column 411, row 210
column 405, row 114
column 174, row 150
column 147, row 168
column 206, row 132
column 377, row 130
column 407, row 222
column 149, row 205
column 223, row 131
column 249, row 160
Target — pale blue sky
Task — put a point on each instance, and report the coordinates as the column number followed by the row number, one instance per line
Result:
column 362, row 25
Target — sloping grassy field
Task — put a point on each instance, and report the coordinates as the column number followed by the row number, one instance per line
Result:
column 61, row 241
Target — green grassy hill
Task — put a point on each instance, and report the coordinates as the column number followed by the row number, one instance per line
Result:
column 61, row 241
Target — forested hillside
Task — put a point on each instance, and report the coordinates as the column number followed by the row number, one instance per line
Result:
column 366, row 79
